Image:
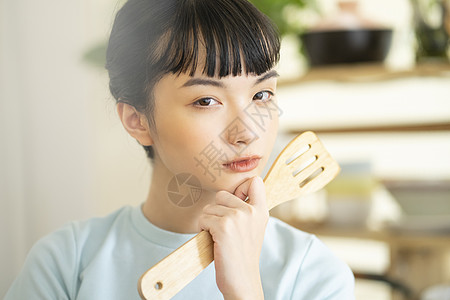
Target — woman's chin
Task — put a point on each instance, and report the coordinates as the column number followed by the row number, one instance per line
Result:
column 228, row 182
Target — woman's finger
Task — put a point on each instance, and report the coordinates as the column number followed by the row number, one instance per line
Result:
column 207, row 222
column 217, row 210
column 257, row 193
column 242, row 190
column 254, row 190
column 228, row 200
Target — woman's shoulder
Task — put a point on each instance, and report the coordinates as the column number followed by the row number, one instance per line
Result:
column 54, row 262
column 75, row 234
column 286, row 236
column 307, row 260
column 285, row 244
column 101, row 225
column 288, row 241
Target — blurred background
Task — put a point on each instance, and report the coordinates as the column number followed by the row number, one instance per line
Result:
column 371, row 78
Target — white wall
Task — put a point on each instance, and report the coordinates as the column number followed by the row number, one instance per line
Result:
column 60, row 142
column 44, row 163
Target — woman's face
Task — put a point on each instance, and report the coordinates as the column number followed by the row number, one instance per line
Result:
column 221, row 130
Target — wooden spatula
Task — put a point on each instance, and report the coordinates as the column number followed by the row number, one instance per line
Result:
column 304, row 166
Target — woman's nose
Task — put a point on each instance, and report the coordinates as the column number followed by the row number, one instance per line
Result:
column 240, row 133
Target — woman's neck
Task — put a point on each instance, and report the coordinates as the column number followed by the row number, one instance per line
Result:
column 162, row 208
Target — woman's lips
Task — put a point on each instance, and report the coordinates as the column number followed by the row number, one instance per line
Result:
column 244, row 164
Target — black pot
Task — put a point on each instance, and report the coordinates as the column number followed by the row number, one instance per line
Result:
column 346, row 46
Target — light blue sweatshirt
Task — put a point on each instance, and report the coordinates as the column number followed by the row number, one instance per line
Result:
column 103, row 258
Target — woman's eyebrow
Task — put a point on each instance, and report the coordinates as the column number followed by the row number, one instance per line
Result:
column 216, row 83
column 266, row 76
column 203, row 81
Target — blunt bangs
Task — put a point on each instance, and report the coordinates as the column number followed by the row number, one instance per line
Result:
column 225, row 37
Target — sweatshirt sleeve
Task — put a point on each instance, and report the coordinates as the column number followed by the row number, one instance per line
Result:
column 322, row 276
column 50, row 269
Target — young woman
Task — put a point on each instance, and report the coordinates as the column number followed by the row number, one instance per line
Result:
column 195, row 85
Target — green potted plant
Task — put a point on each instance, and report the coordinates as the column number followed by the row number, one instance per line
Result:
column 283, row 13
column 432, row 29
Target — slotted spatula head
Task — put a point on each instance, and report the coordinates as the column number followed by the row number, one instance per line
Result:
column 304, row 166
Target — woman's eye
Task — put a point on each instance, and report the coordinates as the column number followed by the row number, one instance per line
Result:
column 263, row 96
column 205, row 102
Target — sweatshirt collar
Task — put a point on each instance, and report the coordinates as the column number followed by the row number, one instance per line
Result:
column 155, row 234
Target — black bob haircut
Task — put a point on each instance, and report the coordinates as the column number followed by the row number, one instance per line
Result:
column 151, row 38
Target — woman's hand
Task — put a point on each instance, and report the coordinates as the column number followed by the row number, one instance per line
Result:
column 237, row 228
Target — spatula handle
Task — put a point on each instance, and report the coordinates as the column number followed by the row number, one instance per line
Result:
column 174, row 272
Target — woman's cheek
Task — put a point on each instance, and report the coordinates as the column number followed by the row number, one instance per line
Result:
column 271, row 132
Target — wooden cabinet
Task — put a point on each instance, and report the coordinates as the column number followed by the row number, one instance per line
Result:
column 417, row 260
column 355, row 104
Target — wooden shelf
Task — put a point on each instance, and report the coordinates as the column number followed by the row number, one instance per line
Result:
column 325, row 90
column 411, row 255
column 414, row 239
column 368, row 73
column 438, row 126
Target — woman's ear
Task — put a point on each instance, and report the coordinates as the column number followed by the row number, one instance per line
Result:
column 135, row 123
